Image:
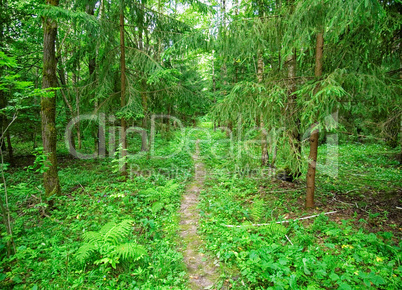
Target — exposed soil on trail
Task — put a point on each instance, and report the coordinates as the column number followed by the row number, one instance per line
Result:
column 201, row 270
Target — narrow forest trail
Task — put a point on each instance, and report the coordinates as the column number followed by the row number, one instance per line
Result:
column 202, row 272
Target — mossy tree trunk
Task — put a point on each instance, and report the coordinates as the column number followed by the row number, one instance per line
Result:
column 48, row 104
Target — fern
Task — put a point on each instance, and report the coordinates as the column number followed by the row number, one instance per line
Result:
column 130, row 251
column 92, row 237
column 114, row 233
column 274, row 231
column 257, row 210
column 108, row 247
column 84, row 252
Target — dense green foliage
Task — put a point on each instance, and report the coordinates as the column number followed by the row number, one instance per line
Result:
column 118, row 93
column 313, row 254
column 53, row 250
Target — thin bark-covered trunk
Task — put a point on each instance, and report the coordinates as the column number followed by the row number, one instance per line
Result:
column 6, row 134
column 145, row 111
column 34, row 133
column 90, row 10
column 392, row 127
column 144, row 97
column 264, row 134
column 5, row 210
column 9, row 145
column 76, row 80
column 48, row 104
column 123, row 139
column 223, row 27
column 3, row 100
column 400, row 117
column 314, row 134
column 260, row 78
column 168, row 119
column 264, row 145
column 214, row 84
column 4, row 205
column 292, row 114
column 66, row 96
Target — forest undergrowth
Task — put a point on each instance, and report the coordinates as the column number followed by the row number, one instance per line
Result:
column 357, row 247
column 109, row 234
column 103, row 232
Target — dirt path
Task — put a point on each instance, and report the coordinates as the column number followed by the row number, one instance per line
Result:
column 201, row 271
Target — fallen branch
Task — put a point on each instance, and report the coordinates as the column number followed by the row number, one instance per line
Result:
column 289, row 240
column 280, row 222
column 285, row 190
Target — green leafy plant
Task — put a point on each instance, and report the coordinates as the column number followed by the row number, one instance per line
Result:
column 257, row 210
column 41, row 163
column 110, row 246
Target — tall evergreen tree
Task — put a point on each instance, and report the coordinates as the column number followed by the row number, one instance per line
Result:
column 48, row 103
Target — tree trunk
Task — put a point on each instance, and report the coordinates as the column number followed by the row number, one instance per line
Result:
column 145, row 112
column 314, row 134
column 264, row 145
column 400, row 117
column 123, row 139
column 292, row 115
column 230, row 129
column 392, row 128
column 90, row 10
column 143, row 84
column 223, row 27
column 65, row 94
column 76, row 80
column 6, row 134
column 168, row 119
column 48, row 104
column 9, row 145
column 214, row 84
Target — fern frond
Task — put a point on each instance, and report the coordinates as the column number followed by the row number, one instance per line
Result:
column 275, row 229
column 85, row 251
column 92, row 237
column 106, row 228
column 257, row 210
column 116, row 233
column 130, row 251
column 106, row 245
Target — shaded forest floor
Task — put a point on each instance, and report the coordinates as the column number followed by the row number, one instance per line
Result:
column 357, row 247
